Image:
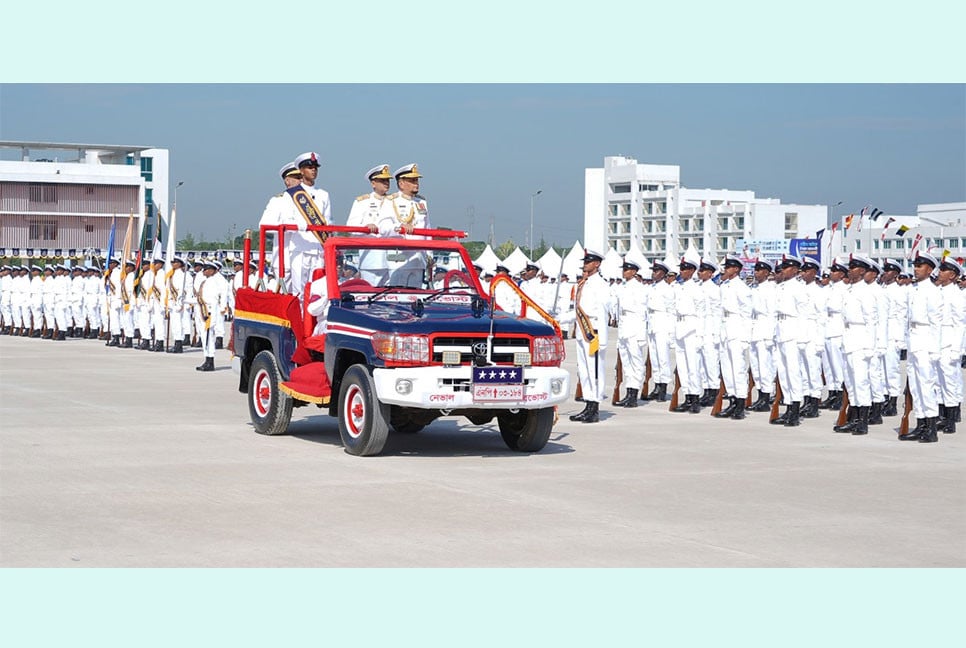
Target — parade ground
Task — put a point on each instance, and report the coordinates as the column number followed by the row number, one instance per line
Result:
column 124, row 458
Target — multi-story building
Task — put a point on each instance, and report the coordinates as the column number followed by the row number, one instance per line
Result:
column 643, row 207
column 58, row 196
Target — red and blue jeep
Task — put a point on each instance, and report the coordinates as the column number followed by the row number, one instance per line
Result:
column 395, row 349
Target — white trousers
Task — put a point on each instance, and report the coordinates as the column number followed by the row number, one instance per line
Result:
column 763, row 365
column 834, row 364
column 923, row 374
column 591, row 370
column 708, row 356
column 687, row 356
column 632, row 351
column 788, row 363
column 950, row 379
column 734, row 367
column 659, row 343
column 859, row 367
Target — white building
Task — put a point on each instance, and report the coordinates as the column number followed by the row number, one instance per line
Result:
column 628, row 206
column 60, row 197
column 939, row 227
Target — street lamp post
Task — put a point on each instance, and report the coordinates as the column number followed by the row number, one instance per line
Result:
column 831, row 220
column 176, row 193
column 532, row 196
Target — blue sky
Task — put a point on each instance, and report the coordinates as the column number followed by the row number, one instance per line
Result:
column 484, row 149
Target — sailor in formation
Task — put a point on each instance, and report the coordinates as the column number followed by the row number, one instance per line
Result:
column 631, row 310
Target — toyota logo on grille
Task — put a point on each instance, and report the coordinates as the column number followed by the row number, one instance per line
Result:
column 479, row 349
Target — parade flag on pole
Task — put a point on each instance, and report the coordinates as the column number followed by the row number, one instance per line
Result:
column 902, row 230
column 848, row 221
column 126, row 254
column 888, row 222
column 156, row 247
column 110, row 250
column 915, row 245
column 169, row 252
column 876, row 212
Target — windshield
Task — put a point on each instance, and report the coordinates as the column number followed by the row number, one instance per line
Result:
column 404, row 274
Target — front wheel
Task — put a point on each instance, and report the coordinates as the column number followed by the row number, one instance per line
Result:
column 363, row 420
column 270, row 407
column 526, row 430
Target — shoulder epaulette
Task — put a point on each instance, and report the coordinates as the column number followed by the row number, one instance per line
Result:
column 279, row 195
column 362, row 197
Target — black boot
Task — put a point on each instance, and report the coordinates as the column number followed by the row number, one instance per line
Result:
column 627, row 395
column 891, row 408
column 662, row 393
column 582, row 413
column 952, row 416
column 941, row 421
column 115, row 341
column 49, row 335
column 209, row 365
column 128, row 343
column 929, row 434
column 61, row 335
column 631, row 398
column 794, row 414
column 686, row 405
column 187, row 341
column 851, row 416
column 178, row 347
column 219, row 343
column 695, row 405
column 728, row 411
column 862, row 421
column 762, row 404
column 739, row 411
column 652, row 395
column 875, row 415
column 783, row 418
column 827, row 403
column 158, row 346
column 916, row 432
column 69, row 333
column 707, row 397
column 593, row 415
column 810, row 410
column 144, row 346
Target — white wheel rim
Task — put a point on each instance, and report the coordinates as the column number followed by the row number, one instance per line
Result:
column 355, row 411
column 262, row 393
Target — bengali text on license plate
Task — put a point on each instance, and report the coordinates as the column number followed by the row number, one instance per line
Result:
column 497, row 393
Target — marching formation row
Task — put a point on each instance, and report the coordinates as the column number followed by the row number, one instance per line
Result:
column 844, row 333
column 148, row 308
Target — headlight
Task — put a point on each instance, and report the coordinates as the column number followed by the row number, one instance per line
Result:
column 548, row 351
column 401, row 349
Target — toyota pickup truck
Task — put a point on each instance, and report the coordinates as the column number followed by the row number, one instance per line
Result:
column 383, row 345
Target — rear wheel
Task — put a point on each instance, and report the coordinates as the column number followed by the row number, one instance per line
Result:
column 270, row 408
column 526, row 430
column 363, row 420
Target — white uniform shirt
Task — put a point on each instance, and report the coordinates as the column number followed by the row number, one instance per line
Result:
column 373, row 209
column 631, row 310
column 735, row 310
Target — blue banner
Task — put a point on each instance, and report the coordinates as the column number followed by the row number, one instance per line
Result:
column 806, row 247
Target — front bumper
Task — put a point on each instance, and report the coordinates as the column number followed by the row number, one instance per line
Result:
column 449, row 388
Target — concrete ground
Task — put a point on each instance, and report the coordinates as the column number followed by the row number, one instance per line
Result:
column 112, row 457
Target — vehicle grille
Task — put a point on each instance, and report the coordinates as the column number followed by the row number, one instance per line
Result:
column 503, row 347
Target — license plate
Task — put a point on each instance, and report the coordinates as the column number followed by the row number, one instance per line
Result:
column 497, row 393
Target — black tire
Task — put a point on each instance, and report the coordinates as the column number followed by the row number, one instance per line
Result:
column 270, row 408
column 363, row 420
column 526, row 430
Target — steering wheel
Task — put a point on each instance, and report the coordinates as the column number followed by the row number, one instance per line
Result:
column 456, row 274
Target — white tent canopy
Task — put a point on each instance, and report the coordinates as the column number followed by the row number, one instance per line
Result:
column 487, row 260
column 550, row 263
column 572, row 263
column 610, row 267
column 516, row 262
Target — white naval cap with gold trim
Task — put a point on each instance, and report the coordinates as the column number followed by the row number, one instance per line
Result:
column 378, row 172
column 408, row 171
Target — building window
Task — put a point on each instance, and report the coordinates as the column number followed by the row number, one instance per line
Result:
column 621, row 188
column 661, row 226
column 147, row 170
column 612, row 210
column 791, row 222
column 887, row 245
column 88, row 228
column 685, row 225
column 626, row 209
column 40, row 193
column 723, row 243
column 660, row 208
column 875, row 245
column 46, row 230
column 700, row 244
column 698, row 224
column 722, row 223
column 740, row 222
column 858, row 245
column 962, row 243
